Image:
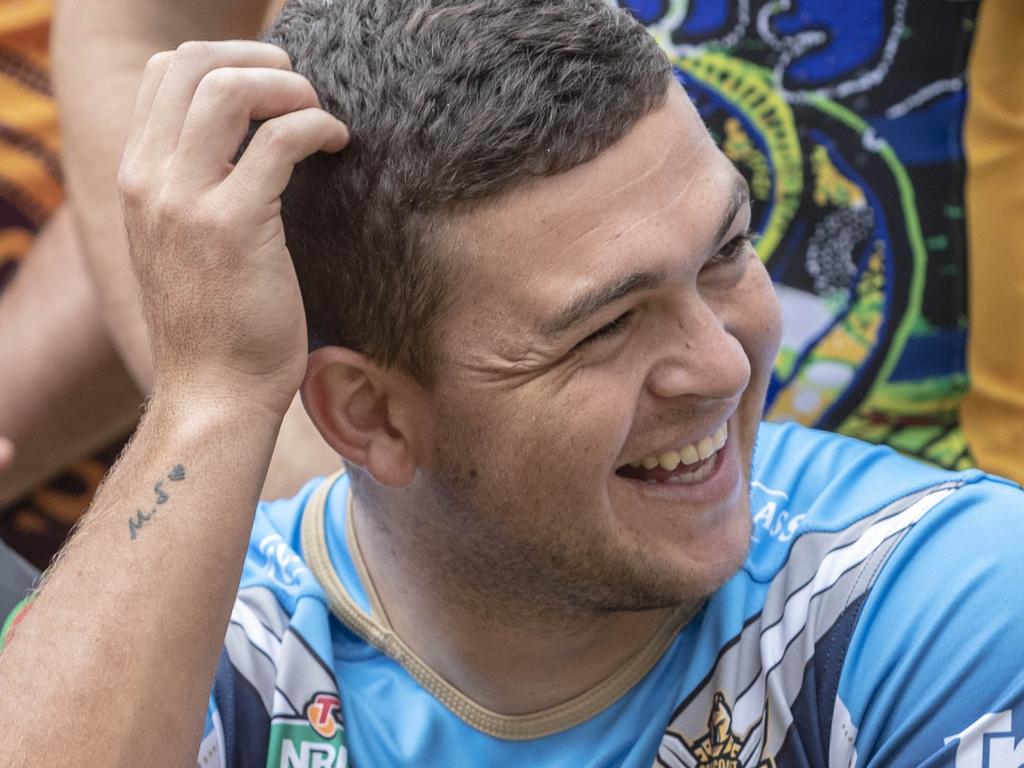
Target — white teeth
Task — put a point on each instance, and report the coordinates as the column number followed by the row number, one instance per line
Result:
column 693, row 477
column 704, row 448
column 689, row 454
column 669, row 460
column 719, row 437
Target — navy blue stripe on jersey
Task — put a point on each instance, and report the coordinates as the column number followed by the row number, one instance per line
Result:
column 245, row 721
column 807, row 741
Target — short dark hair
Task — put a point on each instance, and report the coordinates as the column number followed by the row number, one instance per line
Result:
column 448, row 102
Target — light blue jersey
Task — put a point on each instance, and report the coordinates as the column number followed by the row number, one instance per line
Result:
column 878, row 621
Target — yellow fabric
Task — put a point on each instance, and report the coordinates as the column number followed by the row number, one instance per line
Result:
column 993, row 411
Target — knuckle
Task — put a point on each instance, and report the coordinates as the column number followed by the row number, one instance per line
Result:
column 219, row 85
column 159, row 61
column 275, row 135
column 194, row 51
column 130, row 182
column 172, row 209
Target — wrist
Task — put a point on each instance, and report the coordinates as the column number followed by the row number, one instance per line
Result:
column 218, row 411
column 262, row 400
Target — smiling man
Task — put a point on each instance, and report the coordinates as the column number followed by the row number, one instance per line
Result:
column 542, row 343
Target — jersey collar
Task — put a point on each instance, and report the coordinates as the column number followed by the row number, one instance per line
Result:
column 375, row 628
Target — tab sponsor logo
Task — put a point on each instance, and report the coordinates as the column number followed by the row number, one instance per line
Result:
column 321, row 714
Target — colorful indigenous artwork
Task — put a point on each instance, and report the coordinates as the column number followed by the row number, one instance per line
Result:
column 846, row 120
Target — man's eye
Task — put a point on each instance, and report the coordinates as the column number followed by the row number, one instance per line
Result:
column 734, row 250
column 616, row 326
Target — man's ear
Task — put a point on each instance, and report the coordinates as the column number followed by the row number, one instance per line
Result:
column 365, row 412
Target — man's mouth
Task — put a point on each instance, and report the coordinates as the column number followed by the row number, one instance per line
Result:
column 690, row 463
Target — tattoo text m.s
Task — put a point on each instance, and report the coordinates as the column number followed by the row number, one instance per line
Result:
column 160, row 497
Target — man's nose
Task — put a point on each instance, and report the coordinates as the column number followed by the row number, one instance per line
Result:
column 702, row 358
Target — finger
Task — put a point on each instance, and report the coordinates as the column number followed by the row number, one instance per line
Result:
column 152, row 76
column 218, row 120
column 189, row 65
column 6, row 453
column 263, row 171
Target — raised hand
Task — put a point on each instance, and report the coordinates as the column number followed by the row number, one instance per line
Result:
column 218, row 289
column 170, row 524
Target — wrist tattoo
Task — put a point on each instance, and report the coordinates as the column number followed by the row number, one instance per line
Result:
column 160, row 497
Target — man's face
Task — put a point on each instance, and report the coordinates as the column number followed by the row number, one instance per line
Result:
column 609, row 315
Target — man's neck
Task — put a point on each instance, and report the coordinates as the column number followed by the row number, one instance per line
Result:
column 505, row 661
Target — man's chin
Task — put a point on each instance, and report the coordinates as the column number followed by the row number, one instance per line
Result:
column 673, row 577
column 696, row 570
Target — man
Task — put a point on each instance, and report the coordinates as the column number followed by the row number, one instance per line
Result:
column 542, row 347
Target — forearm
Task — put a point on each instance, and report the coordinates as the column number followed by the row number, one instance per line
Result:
column 100, row 48
column 64, row 391
column 114, row 662
column 145, row 589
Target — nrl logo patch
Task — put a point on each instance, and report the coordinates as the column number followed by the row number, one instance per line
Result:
column 720, row 747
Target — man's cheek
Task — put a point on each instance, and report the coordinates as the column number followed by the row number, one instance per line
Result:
column 595, row 441
column 557, row 451
column 766, row 313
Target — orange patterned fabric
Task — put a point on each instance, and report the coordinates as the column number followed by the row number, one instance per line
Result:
column 30, row 190
column 30, row 180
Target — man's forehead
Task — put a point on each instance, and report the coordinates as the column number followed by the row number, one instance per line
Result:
column 580, row 223
column 662, row 144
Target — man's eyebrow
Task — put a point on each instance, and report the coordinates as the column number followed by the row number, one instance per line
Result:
column 593, row 300
column 740, row 197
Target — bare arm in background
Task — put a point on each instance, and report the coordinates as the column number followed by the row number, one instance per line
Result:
column 64, row 389
column 111, row 666
column 100, row 48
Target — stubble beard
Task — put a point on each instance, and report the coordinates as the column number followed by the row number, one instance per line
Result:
column 492, row 557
